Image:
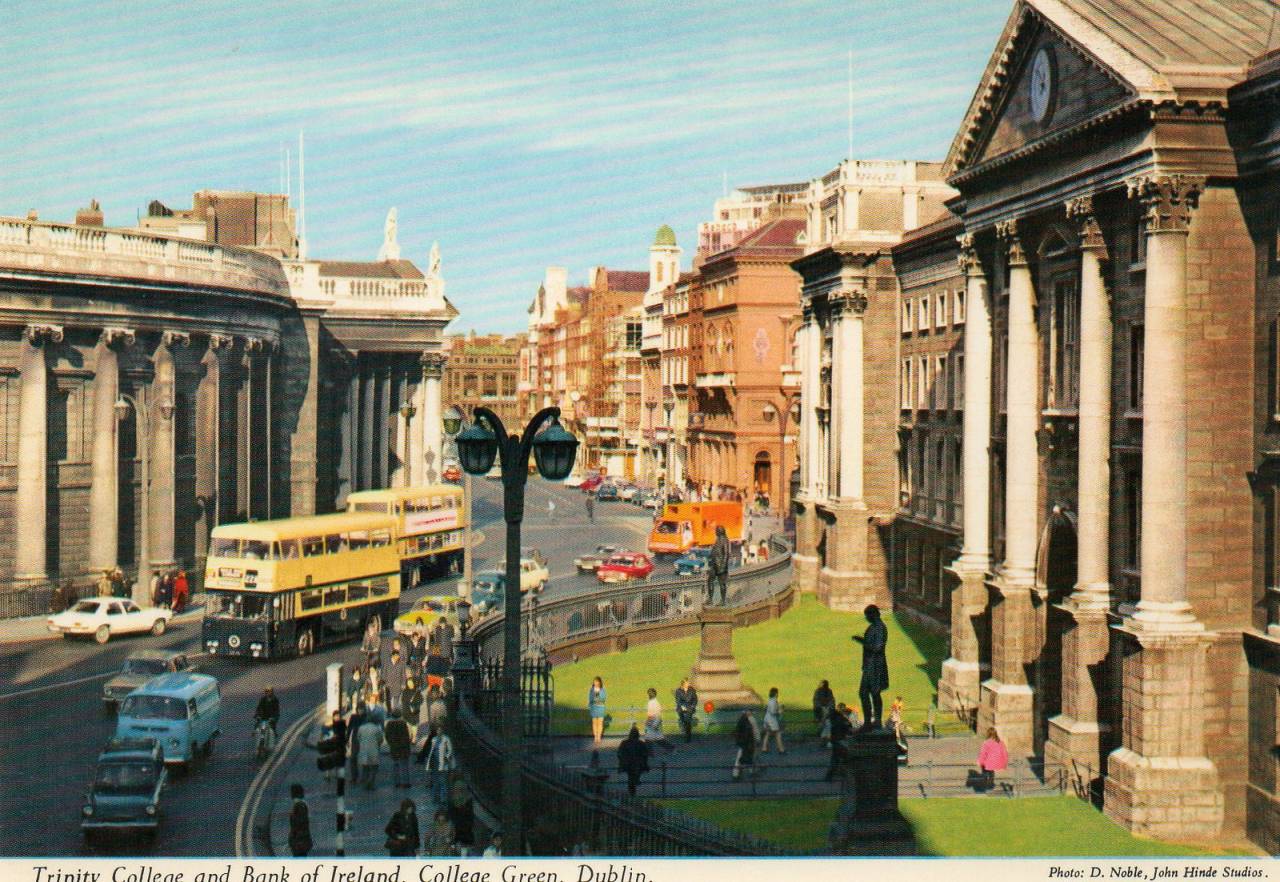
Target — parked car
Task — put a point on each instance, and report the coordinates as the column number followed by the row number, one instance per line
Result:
column 488, row 591
column 694, row 562
column 652, row 499
column 426, row 611
column 140, row 667
column 106, row 616
column 533, row 574
column 589, row 563
column 627, row 492
column 591, row 483
column 126, row 789
column 452, row 473
column 624, row 567
column 606, row 493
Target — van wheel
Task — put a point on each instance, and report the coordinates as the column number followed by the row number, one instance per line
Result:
column 157, row 627
column 103, row 634
column 306, row 643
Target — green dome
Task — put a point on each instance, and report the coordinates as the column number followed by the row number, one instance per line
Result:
column 665, row 236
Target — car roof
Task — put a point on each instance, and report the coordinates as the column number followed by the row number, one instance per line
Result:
column 153, row 654
column 182, row 684
column 129, row 748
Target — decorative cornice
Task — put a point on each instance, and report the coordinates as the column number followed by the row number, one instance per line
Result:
column 117, row 338
column 38, row 335
column 1008, row 231
column 1168, row 200
column 256, row 345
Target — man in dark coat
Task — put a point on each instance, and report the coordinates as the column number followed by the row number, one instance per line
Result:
column 633, row 758
column 686, row 707
column 718, row 566
column 396, row 733
column 841, row 729
column 299, row 823
column 268, row 709
column 875, row 670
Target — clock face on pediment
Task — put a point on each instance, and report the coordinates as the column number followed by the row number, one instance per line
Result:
column 1053, row 85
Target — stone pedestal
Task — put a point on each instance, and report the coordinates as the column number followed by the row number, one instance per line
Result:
column 959, row 687
column 869, row 822
column 804, row 562
column 715, row 674
column 1160, row 783
column 846, row 583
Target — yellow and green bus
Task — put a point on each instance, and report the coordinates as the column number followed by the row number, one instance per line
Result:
column 286, row 587
column 431, row 526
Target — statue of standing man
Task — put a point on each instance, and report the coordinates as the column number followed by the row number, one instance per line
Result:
column 875, row 670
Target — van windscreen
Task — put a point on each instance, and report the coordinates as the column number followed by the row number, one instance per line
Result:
column 667, row 527
column 154, row 707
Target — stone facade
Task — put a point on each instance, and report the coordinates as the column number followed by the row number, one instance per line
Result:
column 483, row 371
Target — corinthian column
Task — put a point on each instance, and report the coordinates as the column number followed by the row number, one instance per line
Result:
column 33, row 445
column 1160, row 782
column 958, row 688
column 1074, row 734
column 104, row 488
column 163, row 461
column 433, row 443
column 1007, row 697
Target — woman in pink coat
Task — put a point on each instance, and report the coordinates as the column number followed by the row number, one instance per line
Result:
column 992, row 758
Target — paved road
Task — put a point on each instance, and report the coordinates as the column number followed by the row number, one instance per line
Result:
column 50, row 733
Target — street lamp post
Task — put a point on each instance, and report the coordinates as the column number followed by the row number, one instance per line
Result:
column 142, row 588
column 553, row 450
column 406, row 412
column 452, row 421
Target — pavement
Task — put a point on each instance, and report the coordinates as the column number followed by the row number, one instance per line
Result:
column 34, row 628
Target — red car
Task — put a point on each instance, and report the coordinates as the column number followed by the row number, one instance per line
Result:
column 591, row 483
column 624, row 567
column 452, row 474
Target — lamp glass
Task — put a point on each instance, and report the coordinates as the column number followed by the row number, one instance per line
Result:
column 477, row 449
column 554, row 451
column 452, row 421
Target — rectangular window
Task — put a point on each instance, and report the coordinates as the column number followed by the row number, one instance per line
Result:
column 924, row 313
column 1137, row 336
column 957, row 312
column 1064, row 345
column 940, row 381
column 906, row 316
column 1133, row 518
column 357, row 592
column 958, row 379
column 940, row 311
column 904, row 395
column 335, row 595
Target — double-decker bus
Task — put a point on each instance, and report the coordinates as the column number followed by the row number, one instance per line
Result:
column 285, row 587
column 430, row 526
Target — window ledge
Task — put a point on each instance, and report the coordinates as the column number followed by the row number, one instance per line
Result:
column 1138, row 266
column 1060, row 412
column 1132, row 414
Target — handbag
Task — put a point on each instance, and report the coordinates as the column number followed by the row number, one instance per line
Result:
column 608, row 720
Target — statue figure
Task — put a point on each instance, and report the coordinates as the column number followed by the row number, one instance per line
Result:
column 875, row 670
column 434, row 263
column 390, row 249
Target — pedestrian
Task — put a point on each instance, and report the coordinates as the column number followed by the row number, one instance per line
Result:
column 369, row 739
column 411, row 702
column 395, row 672
column 718, row 566
column 744, row 555
column 750, row 550
column 155, row 590
column 686, row 707
column 823, row 700
column 107, row 584
column 895, row 717
column 402, row 831
column 653, row 722
column 462, row 813
column 591, row 508
column 70, row 594
column 396, row 733
column 437, row 710
column 840, row 729
column 371, row 643
column 762, row 551
column 336, row 730
column 993, row 757
column 166, row 590
column 745, row 737
column 440, row 838
column 437, row 668
column 596, row 697
column 440, row 764
column 772, row 722
column 299, row 823
column 494, row 848
column 446, row 640
column 354, row 722
column 875, row 670
column 181, row 591
column 633, row 758
column 58, row 598
column 355, row 690
column 551, row 509
column 119, row 587
column 417, row 649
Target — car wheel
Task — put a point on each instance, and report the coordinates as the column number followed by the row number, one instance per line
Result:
column 306, row 643
column 103, row 634
column 157, row 627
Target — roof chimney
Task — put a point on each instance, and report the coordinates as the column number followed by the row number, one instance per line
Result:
column 91, row 216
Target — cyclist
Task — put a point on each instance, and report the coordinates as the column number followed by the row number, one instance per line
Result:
column 268, row 709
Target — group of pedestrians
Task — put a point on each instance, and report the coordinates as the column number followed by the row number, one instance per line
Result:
column 170, row 589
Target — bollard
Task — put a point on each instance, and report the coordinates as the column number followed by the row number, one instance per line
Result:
column 333, row 689
column 341, row 819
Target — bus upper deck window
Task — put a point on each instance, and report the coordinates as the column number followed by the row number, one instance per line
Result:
column 357, row 539
column 334, row 543
column 289, row 549
column 380, row 538
column 312, row 546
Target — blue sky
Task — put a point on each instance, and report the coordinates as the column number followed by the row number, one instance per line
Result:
column 516, row 134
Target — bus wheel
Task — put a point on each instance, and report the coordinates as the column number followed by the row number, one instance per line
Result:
column 306, row 643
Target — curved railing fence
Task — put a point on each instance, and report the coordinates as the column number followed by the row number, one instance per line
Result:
column 640, row 612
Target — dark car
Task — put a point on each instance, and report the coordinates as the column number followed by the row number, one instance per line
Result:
column 694, row 562
column 126, row 789
column 606, row 493
column 488, row 591
column 138, row 668
column 589, row 563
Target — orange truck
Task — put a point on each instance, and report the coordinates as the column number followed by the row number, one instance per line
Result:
column 689, row 524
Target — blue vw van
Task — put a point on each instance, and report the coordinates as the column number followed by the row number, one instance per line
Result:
column 179, row 710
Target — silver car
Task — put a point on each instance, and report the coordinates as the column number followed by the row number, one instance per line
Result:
column 139, row 668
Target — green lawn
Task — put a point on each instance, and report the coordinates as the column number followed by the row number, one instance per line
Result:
column 1061, row 826
column 809, row 643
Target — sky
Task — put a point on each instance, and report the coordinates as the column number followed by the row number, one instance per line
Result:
column 516, row 134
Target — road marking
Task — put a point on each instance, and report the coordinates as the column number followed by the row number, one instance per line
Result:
column 258, row 787
column 75, row 682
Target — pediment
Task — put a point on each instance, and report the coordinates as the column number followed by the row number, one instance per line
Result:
column 1039, row 82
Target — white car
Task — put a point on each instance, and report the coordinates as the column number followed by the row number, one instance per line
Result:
column 533, row 574
column 104, row 617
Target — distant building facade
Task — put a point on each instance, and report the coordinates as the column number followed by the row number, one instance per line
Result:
column 483, row 371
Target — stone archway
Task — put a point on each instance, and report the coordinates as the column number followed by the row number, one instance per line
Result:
column 1055, row 580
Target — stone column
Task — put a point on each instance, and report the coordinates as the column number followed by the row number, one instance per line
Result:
column 220, row 346
column 1074, row 735
column 163, row 461
column 958, row 688
column 348, row 464
column 1006, row 700
column 251, row 479
column 104, row 488
column 304, row 444
column 432, row 427
column 31, row 503
column 1160, row 782
column 805, row 558
column 844, row 582
column 208, row 425
column 415, row 471
column 267, row 436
